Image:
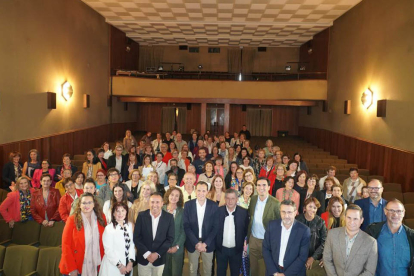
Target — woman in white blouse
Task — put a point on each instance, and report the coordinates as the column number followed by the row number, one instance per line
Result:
column 119, row 195
column 118, row 243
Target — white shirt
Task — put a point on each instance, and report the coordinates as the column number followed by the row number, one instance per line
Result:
column 229, row 232
column 284, row 242
column 200, row 217
column 154, row 222
column 118, row 164
column 107, row 154
column 258, row 230
column 161, row 169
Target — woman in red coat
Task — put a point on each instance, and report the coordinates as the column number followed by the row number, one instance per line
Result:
column 82, row 248
column 45, row 203
column 16, row 207
column 65, row 204
column 268, row 171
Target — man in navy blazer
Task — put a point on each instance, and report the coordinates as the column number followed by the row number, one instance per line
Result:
column 233, row 221
column 153, row 236
column 286, row 243
column 200, row 226
column 373, row 206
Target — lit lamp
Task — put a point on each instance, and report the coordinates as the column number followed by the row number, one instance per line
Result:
column 67, row 91
column 367, row 98
column 288, row 67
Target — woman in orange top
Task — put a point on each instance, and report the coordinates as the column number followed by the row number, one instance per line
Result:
column 335, row 213
column 82, row 248
column 65, row 204
column 16, row 207
column 45, row 203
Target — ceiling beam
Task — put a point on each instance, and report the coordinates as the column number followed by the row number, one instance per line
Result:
column 135, row 35
column 132, row 99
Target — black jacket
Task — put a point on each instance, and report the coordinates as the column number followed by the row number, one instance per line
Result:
column 125, row 172
column 180, row 175
column 316, row 194
column 143, row 237
column 374, row 231
column 112, row 162
column 8, row 175
column 318, row 235
column 241, row 222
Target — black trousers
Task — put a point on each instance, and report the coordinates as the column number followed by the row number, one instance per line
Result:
column 228, row 256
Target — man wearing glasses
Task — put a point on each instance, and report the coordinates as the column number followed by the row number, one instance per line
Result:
column 395, row 242
column 286, row 243
column 373, row 206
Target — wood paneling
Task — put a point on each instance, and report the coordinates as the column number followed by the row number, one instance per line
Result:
column 317, row 61
column 194, row 117
column 119, row 57
column 394, row 164
column 74, row 142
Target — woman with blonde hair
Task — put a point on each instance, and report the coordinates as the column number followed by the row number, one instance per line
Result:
column 142, row 203
column 82, row 248
column 129, row 141
column 334, row 216
column 217, row 190
column 134, row 183
column 247, row 192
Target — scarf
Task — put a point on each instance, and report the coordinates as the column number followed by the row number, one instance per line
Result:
column 17, row 171
column 127, row 241
column 289, row 193
column 25, row 212
column 92, row 249
column 65, row 168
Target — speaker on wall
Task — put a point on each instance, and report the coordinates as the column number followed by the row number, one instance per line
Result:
column 244, row 107
column 382, row 108
column 51, row 100
column 188, row 106
column 347, row 107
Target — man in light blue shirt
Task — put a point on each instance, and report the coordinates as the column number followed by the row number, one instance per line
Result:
column 395, row 242
column 263, row 208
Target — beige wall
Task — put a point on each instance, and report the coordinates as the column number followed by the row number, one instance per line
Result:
column 281, row 90
column 44, row 43
column 372, row 45
column 273, row 60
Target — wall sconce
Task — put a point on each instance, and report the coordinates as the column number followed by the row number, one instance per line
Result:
column 67, row 91
column 367, row 98
column 288, row 67
column 302, row 68
column 200, row 67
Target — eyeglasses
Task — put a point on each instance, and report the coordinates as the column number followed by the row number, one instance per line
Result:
column 398, row 212
column 374, row 188
column 113, row 174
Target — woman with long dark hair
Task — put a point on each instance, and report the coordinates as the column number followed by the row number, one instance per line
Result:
column 91, row 165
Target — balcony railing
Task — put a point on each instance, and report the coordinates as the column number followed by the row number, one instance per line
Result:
column 203, row 75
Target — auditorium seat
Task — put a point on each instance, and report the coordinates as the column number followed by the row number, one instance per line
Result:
column 348, row 166
column 341, row 177
column 51, row 236
column 3, row 195
column 20, row 260
column 409, row 223
column 343, row 171
column 317, row 171
column 391, row 195
column 408, row 198
column 365, row 177
column 363, row 172
column 81, row 157
column 392, row 187
column 24, row 233
column 2, row 254
column 409, row 211
column 48, row 261
column 379, row 177
column 312, row 166
column 5, row 231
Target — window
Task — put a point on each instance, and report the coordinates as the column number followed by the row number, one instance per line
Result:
column 214, row 50
column 194, row 49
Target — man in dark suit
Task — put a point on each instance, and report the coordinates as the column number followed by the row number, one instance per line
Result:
column 200, row 226
column 373, row 206
column 286, row 243
column 176, row 170
column 153, row 236
column 118, row 160
column 233, row 222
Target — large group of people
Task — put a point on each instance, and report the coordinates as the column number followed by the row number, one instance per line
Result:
column 250, row 211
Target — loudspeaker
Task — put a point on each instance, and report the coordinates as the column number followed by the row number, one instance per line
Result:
column 382, row 108
column 182, row 47
column 347, row 107
column 244, row 107
column 188, row 106
column 86, row 101
column 51, row 100
column 261, row 49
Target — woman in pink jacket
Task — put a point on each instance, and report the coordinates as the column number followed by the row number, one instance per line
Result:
column 16, row 207
column 44, row 170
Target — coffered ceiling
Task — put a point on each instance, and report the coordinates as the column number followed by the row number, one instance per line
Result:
column 271, row 23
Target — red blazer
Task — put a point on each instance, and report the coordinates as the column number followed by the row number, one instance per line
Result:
column 269, row 175
column 325, row 217
column 38, row 173
column 10, row 208
column 167, row 157
column 38, row 207
column 65, row 205
column 73, row 246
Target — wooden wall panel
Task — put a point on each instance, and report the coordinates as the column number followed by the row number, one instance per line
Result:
column 194, row 117
column 73, row 142
column 318, row 60
column 119, row 57
column 238, row 118
column 394, row 164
